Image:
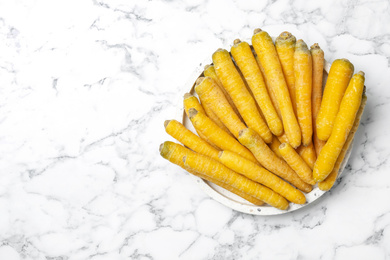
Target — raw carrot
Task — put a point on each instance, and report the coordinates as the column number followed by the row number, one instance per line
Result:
column 270, row 91
column 243, row 56
column 235, row 86
column 174, row 153
column 210, row 113
column 339, row 76
column 317, row 55
column 285, row 47
column 261, row 175
column 308, row 154
column 269, row 60
column 209, row 71
column 251, row 140
column 303, row 87
column 191, row 101
column 213, row 97
column 296, row 163
column 189, row 139
column 218, row 171
column 330, row 180
column 274, row 145
column 216, row 135
column 343, row 123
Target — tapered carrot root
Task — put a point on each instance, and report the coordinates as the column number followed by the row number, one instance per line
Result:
column 216, row 135
column 191, row 101
column 251, row 140
column 174, row 153
column 269, row 60
column 317, row 55
column 189, row 139
column 330, row 180
column 274, row 145
column 343, row 123
column 210, row 93
column 235, row 86
column 285, row 47
column 207, row 166
column 209, row 71
column 339, row 76
column 308, row 154
column 261, row 175
column 242, row 54
column 303, row 88
column 296, row 163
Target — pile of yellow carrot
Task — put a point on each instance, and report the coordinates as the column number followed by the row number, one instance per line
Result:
column 266, row 128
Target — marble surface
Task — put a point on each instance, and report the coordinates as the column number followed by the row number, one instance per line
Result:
column 85, row 87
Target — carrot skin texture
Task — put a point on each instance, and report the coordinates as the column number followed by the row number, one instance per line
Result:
column 268, row 57
column 303, row 89
column 308, row 154
column 339, row 76
column 175, row 152
column 216, row 135
column 343, row 123
column 296, row 163
column 328, row 183
column 220, row 172
column 211, row 94
column 270, row 160
column 209, row 71
column 189, row 139
column 261, row 175
column 285, row 47
column 243, row 56
column 235, row 86
column 190, row 101
column 317, row 55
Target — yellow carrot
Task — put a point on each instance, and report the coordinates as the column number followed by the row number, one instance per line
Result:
column 261, row 175
column 317, row 55
column 243, row 56
column 191, row 101
column 235, row 86
column 308, row 154
column 330, row 180
column 274, row 145
column 251, row 140
column 303, row 88
column 343, row 123
column 296, row 163
column 270, row 91
column 213, row 97
column 174, row 153
column 269, row 60
column 189, row 139
column 285, row 47
column 339, row 76
column 218, row 171
column 209, row 71
column 210, row 113
column 216, row 135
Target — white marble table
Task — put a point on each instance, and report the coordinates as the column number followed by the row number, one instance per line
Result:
column 85, row 87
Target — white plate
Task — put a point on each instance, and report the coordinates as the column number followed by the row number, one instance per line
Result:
column 232, row 200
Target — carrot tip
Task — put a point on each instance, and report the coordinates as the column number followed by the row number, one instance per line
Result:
column 236, row 41
column 283, row 145
column 285, row 35
column 166, row 123
column 315, row 46
column 188, row 95
column 199, row 80
column 257, row 30
column 207, row 66
column 161, row 147
column 361, row 73
column 192, row 112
